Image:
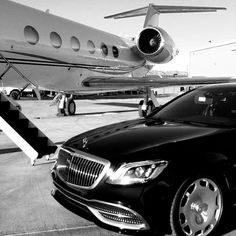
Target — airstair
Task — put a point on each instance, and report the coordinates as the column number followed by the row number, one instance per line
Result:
column 23, row 132
column 19, row 128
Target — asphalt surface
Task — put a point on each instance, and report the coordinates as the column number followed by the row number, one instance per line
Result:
column 26, row 206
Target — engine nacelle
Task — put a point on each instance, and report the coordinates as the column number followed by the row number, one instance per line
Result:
column 155, row 45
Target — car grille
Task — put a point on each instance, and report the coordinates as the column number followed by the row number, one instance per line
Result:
column 81, row 170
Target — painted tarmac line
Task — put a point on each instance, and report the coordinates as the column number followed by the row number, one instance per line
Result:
column 93, row 115
column 110, row 113
column 53, row 230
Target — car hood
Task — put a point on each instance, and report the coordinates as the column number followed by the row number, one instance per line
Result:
column 129, row 137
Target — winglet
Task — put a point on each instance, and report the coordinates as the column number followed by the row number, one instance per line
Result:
column 152, row 12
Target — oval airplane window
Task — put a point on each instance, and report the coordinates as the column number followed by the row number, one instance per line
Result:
column 91, row 47
column 75, row 44
column 31, row 35
column 55, row 40
column 104, row 49
column 115, row 51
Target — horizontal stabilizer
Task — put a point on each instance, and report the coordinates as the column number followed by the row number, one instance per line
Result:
column 162, row 9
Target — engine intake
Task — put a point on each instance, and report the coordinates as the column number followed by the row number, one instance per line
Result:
column 149, row 41
column 155, row 45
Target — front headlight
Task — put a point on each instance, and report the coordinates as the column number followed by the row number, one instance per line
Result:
column 136, row 172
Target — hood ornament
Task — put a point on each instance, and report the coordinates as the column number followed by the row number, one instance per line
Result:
column 85, row 142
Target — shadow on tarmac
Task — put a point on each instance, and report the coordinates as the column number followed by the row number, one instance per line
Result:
column 88, row 114
column 120, row 104
column 16, row 149
column 101, row 113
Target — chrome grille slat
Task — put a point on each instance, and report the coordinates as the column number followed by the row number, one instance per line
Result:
column 80, row 172
column 77, row 172
column 83, row 171
column 89, row 176
column 97, row 170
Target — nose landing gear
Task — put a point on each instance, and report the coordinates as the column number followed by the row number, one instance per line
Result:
column 65, row 104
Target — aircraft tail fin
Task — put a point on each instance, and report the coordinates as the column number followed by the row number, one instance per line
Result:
column 153, row 11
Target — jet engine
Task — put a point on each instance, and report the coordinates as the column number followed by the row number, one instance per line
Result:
column 155, row 45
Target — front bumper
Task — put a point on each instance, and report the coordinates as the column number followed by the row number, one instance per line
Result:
column 110, row 215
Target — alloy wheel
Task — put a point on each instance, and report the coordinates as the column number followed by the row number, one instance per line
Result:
column 200, row 207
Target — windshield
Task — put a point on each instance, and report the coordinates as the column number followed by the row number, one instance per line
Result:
column 212, row 106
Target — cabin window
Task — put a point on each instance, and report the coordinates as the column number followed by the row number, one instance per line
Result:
column 104, row 49
column 31, row 35
column 55, row 40
column 91, row 47
column 75, row 44
column 115, row 51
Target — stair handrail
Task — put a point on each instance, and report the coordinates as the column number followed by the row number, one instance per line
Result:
column 29, row 82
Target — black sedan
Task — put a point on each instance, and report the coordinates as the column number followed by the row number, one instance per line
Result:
column 171, row 172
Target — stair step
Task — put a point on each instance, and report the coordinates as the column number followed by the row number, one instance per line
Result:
column 39, row 143
column 4, row 106
column 19, row 124
column 10, row 115
column 24, row 123
column 27, row 133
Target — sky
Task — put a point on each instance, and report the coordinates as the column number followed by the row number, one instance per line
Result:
column 190, row 31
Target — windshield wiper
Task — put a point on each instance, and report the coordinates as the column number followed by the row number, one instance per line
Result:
column 155, row 121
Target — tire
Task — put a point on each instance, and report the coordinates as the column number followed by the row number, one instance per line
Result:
column 70, row 107
column 15, row 94
column 197, row 207
column 141, row 112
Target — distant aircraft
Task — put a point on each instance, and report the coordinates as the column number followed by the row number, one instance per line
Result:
column 57, row 54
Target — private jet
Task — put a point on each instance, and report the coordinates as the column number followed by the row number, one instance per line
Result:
column 57, row 54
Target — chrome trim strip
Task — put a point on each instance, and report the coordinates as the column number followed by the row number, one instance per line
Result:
column 88, row 203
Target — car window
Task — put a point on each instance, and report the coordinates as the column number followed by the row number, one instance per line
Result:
column 205, row 106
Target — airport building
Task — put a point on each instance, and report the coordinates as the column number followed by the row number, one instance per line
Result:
column 217, row 60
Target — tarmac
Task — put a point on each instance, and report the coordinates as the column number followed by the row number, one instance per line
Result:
column 26, row 206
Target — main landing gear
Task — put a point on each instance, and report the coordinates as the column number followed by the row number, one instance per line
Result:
column 148, row 104
column 65, row 104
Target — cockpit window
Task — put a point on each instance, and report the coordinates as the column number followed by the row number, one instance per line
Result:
column 205, row 106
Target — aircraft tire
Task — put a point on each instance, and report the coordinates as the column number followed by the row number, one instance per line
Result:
column 70, row 107
column 15, row 94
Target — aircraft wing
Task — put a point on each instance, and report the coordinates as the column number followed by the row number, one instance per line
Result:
column 151, row 81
